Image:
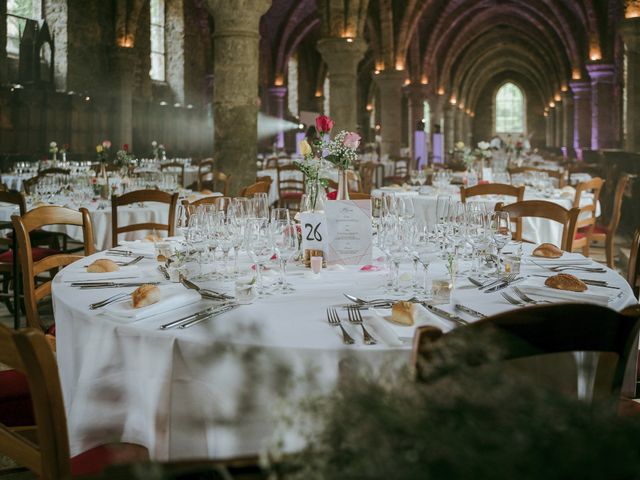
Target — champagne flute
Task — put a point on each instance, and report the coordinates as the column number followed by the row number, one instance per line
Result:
column 259, row 245
column 286, row 245
column 260, row 207
column 501, row 233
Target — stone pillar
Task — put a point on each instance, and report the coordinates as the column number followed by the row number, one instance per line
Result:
column 468, row 131
column 122, row 84
column 581, row 114
column 604, row 112
column 630, row 30
column 559, row 123
column 550, row 130
column 449, row 127
column 390, row 84
column 235, row 103
column 567, row 120
column 3, row 43
column 416, row 93
column 276, row 108
column 342, row 58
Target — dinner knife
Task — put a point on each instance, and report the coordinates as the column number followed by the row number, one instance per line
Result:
column 469, row 311
column 85, row 286
column 502, row 285
column 206, row 317
column 444, row 314
column 175, row 323
column 205, row 292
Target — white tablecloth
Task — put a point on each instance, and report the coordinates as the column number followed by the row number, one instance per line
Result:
column 536, row 230
column 215, row 389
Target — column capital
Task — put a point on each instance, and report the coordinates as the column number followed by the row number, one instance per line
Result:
column 390, row 79
column 279, row 92
column 580, row 88
column 237, row 17
column 630, row 30
column 601, row 72
column 416, row 92
column 342, row 56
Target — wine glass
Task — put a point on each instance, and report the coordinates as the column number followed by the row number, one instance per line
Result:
column 260, row 207
column 427, row 252
column 500, row 228
column 259, row 244
column 286, row 245
column 477, row 235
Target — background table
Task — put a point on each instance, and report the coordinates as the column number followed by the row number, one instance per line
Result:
column 216, row 389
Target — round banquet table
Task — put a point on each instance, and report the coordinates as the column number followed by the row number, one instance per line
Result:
column 216, row 389
column 536, row 230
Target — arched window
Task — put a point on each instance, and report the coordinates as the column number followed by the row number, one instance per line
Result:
column 509, row 108
column 157, row 71
column 292, row 85
column 18, row 12
column 426, row 117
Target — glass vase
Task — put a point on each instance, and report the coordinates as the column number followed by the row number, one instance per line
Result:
column 343, row 185
column 315, row 197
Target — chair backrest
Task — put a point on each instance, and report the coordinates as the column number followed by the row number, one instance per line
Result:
column 359, row 196
column 258, row 187
column 616, row 213
column 206, row 201
column 35, row 219
column 367, row 172
column 176, row 167
column 400, row 167
column 29, row 352
column 213, row 179
column 547, row 329
column 633, row 272
column 492, row 189
column 140, row 196
column 588, row 212
column 13, row 198
column 544, row 209
column 290, row 179
column 272, row 162
column 29, row 184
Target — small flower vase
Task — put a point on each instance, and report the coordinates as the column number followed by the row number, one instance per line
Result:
column 343, row 185
column 55, row 157
column 64, row 157
column 315, row 197
column 103, row 170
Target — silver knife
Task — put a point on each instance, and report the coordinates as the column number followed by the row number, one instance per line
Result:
column 206, row 317
column 113, row 285
column 470, row 311
column 502, row 285
column 206, row 311
column 444, row 314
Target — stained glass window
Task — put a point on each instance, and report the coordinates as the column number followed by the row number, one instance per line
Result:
column 510, row 111
column 157, row 71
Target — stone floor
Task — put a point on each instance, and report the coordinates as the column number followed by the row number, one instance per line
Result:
column 7, row 471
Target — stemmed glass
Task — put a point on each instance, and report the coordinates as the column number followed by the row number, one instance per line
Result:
column 195, row 239
column 225, row 242
column 182, row 220
column 260, row 207
column 442, row 216
column 286, row 245
column 427, row 252
column 477, row 235
column 259, row 244
column 500, row 228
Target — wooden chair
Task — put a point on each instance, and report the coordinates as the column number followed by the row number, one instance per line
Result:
column 207, row 201
column 367, row 172
column 547, row 210
column 633, row 272
column 606, row 233
column 291, row 186
column 29, row 184
column 353, row 180
column 6, row 241
column 587, row 218
column 258, row 187
column 492, row 189
column 45, row 449
column 400, row 171
column 213, row 180
column 272, row 163
column 32, row 266
column 140, row 196
column 174, row 167
column 541, row 330
column 359, row 196
column 560, row 176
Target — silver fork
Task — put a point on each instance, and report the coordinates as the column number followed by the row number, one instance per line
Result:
column 356, row 318
column 511, row 300
column 334, row 319
column 527, row 298
column 506, row 279
column 107, row 301
column 575, row 267
column 132, row 262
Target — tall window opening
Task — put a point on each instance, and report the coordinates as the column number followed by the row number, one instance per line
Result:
column 292, row 85
column 325, row 93
column 426, row 118
column 509, row 109
column 157, row 71
column 18, row 12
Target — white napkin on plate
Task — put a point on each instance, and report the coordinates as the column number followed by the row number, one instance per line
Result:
column 541, row 292
column 172, row 297
column 391, row 333
column 81, row 274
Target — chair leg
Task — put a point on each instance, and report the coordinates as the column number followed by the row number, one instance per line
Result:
column 585, row 249
column 609, row 248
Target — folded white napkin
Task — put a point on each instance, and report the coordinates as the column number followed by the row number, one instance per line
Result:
column 592, row 295
column 391, row 333
column 173, row 297
column 80, row 274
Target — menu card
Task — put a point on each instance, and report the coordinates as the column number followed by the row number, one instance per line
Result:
column 349, row 239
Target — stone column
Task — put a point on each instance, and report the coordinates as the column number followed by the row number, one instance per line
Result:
column 122, row 83
column 235, row 103
column 390, row 84
column 630, row 30
column 581, row 114
column 3, row 43
column 468, row 131
column 449, row 127
column 276, row 108
column 416, row 93
column 550, row 129
column 567, row 120
column 342, row 58
column 559, row 123
column 604, row 114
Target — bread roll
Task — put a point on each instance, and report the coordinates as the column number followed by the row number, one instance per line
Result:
column 547, row 250
column 566, row 281
column 145, row 295
column 402, row 313
column 103, row 265
column 152, row 238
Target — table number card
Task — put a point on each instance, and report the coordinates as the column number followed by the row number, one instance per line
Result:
column 314, row 231
column 349, row 229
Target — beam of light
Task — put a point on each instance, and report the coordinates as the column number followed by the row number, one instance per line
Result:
column 270, row 126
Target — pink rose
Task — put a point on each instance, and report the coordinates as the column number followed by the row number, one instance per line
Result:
column 324, row 124
column 106, row 144
column 351, row 140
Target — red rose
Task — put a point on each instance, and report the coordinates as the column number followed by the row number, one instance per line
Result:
column 125, row 147
column 324, row 124
column 332, row 195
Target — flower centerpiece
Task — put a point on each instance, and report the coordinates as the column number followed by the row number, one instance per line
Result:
column 123, row 160
column 102, row 151
column 310, row 166
column 63, row 151
column 159, row 152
